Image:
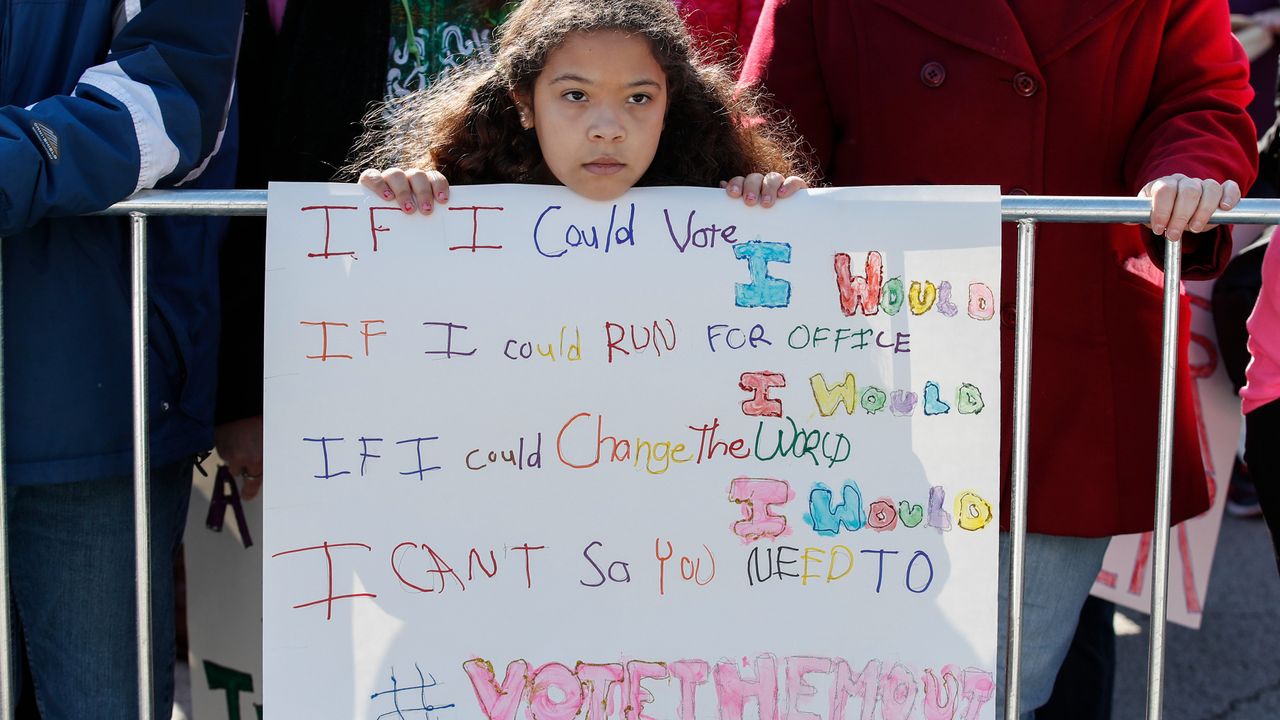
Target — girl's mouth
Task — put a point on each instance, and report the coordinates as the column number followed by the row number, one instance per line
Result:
column 603, row 167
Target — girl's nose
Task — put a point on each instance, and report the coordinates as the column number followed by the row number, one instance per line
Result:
column 607, row 127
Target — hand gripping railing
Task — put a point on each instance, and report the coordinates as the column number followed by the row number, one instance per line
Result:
column 1026, row 211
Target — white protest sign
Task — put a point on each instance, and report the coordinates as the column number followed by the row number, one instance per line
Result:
column 224, row 604
column 1125, row 578
column 671, row 456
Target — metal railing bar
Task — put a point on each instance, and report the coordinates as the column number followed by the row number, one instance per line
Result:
column 1054, row 208
column 1021, row 439
column 192, row 202
column 1047, row 208
column 1164, row 482
column 141, row 467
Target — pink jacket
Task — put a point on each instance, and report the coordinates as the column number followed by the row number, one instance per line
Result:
column 1263, row 373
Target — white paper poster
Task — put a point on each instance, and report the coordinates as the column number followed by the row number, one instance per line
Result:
column 666, row 457
column 224, row 600
column 1126, row 571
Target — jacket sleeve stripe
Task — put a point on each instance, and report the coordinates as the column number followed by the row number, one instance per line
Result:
column 217, row 143
column 125, row 11
column 158, row 153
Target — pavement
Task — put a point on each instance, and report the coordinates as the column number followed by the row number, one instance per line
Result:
column 1229, row 669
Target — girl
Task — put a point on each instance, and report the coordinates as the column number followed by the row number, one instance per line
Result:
column 596, row 95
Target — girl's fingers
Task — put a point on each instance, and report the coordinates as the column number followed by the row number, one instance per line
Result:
column 769, row 188
column 372, row 179
column 751, row 188
column 765, row 189
column 791, row 185
column 420, row 186
column 1210, row 197
column 398, row 183
column 1184, row 206
column 440, row 186
column 412, row 189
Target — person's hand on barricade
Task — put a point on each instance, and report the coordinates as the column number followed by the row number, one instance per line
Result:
column 1269, row 19
column 239, row 444
column 1180, row 203
column 413, row 189
column 763, row 188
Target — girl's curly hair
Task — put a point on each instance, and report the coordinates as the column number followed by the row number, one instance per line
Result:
column 467, row 125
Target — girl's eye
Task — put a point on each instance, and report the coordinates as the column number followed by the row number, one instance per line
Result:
column 639, row 99
column 574, row 96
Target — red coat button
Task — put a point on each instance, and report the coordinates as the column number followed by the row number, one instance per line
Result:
column 1025, row 85
column 1008, row 315
column 933, row 74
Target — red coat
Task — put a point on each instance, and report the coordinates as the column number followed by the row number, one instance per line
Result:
column 721, row 27
column 1053, row 97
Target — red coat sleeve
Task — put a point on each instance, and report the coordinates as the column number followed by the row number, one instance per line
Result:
column 721, row 27
column 784, row 60
column 748, row 18
column 1196, row 123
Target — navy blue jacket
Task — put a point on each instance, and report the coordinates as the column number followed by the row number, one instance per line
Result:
column 99, row 99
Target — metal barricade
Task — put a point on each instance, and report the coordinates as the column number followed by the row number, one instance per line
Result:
column 1026, row 211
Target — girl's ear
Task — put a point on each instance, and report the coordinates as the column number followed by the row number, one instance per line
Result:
column 525, row 108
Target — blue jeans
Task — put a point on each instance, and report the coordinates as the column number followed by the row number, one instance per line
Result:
column 1059, row 572
column 71, row 555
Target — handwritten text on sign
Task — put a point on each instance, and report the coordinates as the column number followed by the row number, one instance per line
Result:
column 663, row 457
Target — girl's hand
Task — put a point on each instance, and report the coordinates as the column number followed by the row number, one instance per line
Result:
column 412, row 189
column 1180, row 203
column 764, row 189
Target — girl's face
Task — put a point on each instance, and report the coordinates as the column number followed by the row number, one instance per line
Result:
column 598, row 107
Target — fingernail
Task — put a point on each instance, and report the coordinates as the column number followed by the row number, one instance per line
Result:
column 441, row 197
column 1174, row 235
column 1224, row 205
column 751, row 197
column 408, row 207
column 1197, row 227
column 782, row 191
column 387, row 194
column 735, row 189
column 767, row 200
column 426, row 209
column 1157, row 229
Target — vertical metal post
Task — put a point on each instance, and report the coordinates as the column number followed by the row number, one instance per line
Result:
column 141, row 467
column 7, row 699
column 1164, row 475
column 1021, row 436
